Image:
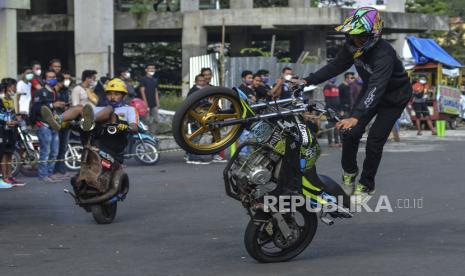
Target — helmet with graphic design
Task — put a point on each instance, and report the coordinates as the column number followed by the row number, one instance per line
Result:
column 365, row 25
column 365, row 20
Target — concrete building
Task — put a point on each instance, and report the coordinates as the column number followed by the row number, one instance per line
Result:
column 91, row 34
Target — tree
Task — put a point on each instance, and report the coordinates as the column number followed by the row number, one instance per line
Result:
column 333, row 3
column 452, row 41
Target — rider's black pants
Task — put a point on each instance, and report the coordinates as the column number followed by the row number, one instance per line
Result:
column 379, row 132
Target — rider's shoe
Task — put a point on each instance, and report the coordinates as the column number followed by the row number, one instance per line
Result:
column 348, row 182
column 87, row 121
column 51, row 119
column 361, row 194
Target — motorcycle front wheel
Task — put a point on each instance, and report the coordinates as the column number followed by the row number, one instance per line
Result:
column 192, row 123
column 265, row 243
column 104, row 213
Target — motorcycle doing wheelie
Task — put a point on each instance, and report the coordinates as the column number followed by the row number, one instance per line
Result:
column 279, row 160
column 143, row 146
column 101, row 181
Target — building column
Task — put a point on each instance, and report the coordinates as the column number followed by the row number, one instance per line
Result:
column 9, row 36
column 299, row 3
column 189, row 5
column 93, row 35
column 194, row 43
column 241, row 4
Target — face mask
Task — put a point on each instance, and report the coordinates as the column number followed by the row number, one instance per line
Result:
column 151, row 73
column 38, row 72
column 92, row 84
column 67, row 83
column 2, row 96
column 29, row 76
column 248, row 82
column 127, row 75
column 423, row 81
column 288, row 77
column 51, row 82
column 265, row 79
column 115, row 104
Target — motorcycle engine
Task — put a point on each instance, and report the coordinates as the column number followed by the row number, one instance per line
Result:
column 255, row 172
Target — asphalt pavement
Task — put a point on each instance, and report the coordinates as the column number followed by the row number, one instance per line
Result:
column 177, row 220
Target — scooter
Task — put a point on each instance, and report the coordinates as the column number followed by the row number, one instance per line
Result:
column 101, row 181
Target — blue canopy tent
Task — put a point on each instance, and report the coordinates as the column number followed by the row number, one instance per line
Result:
column 426, row 50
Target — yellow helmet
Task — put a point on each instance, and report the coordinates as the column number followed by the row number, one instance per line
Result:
column 116, row 85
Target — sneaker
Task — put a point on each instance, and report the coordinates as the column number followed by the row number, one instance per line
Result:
column 53, row 121
column 4, row 185
column 87, row 121
column 14, row 181
column 218, row 159
column 361, row 194
column 197, row 161
column 348, row 182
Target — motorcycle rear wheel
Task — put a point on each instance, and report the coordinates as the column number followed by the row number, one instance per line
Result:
column 198, row 111
column 104, row 213
column 255, row 232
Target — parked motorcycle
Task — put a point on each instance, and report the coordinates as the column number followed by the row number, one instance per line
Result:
column 101, row 181
column 278, row 160
column 143, row 146
column 26, row 155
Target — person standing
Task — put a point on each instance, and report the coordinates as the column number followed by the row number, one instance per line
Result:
column 386, row 92
column 55, row 65
column 83, row 93
column 124, row 73
column 23, row 92
column 193, row 158
column 246, row 83
column 8, row 122
column 344, row 93
column 281, row 89
column 420, row 90
column 37, row 81
column 148, row 92
column 199, row 84
column 62, row 95
column 332, row 100
column 48, row 138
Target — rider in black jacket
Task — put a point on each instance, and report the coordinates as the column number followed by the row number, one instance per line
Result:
column 385, row 93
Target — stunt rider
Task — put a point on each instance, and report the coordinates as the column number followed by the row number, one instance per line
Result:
column 114, row 111
column 385, row 93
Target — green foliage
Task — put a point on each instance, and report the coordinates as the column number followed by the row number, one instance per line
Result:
column 452, row 41
column 270, row 3
column 170, row 101
column 166, row 56
column 255, row 52
column 141, row 6
column 337, row 3
column 439, row 7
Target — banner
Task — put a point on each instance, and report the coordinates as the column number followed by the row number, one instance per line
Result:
column 449, row 100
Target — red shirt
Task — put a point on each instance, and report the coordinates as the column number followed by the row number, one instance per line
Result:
column 34, row 82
